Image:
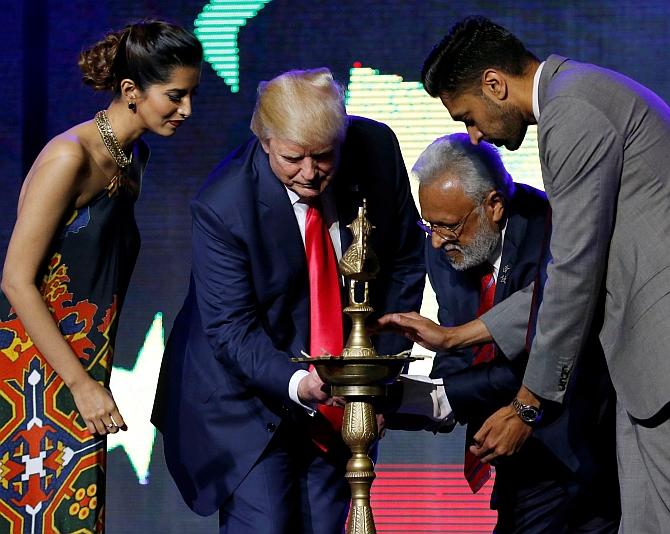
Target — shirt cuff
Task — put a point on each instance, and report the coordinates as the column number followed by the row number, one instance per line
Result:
column 293, row 390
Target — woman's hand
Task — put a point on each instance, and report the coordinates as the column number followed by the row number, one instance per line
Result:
column 97, row 407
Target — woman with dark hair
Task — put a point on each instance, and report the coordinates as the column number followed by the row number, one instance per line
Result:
column 67, row 269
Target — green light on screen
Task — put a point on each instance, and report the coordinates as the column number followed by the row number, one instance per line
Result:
column 217, row 26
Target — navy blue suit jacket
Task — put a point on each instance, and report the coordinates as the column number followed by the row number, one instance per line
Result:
column 223, row 388
column 575, row 433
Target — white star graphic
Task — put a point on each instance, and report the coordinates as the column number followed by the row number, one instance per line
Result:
column 133, row 392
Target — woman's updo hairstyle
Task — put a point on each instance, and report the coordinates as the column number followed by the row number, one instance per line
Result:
column 145, row 52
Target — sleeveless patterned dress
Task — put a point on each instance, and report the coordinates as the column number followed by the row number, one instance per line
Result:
column 52, row 470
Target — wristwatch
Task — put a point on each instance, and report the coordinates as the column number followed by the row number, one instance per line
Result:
column 527, row 413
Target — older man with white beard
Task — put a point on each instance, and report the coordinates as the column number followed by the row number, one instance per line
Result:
column 488, row 244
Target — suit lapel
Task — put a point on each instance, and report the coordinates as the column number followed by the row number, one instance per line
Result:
column 281, row 230
column 514, row 235
column 276, row 213
column 514, row 232
column 467, row 284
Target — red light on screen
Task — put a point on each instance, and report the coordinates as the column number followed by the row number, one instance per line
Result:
column 429, row 498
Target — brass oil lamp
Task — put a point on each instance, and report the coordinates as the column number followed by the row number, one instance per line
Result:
column 359, row 374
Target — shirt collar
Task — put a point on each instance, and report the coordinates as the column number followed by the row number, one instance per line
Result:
column 536, row 90
column 292, row 196
column 327, row 201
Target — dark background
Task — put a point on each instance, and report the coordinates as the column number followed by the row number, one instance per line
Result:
column 43, row 95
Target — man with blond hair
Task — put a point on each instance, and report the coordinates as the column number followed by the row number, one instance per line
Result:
column 247, row 431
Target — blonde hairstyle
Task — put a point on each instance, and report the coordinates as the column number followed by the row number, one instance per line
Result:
column 305, row 107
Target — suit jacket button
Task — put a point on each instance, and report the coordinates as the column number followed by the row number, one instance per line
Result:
column 270, row 427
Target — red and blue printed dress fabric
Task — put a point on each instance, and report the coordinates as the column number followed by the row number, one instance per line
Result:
column 52, row 470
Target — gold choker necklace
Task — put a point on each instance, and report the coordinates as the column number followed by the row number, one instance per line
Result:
column 110, row 140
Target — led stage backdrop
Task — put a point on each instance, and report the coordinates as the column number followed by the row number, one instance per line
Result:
column 375, row 49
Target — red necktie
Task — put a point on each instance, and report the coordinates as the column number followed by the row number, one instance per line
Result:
column 477, row 473
column 487, row 291
column 325, row 310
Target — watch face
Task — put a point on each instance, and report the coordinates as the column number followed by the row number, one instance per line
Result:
column 528, row 414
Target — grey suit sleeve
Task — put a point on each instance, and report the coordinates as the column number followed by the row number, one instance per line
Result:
column 507, row 322
column 581, row 156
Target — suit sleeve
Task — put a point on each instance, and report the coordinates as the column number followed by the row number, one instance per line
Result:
column 477, row 391
column 507, row 322
column 582, row 157
column 228, row 308
column 404, row 281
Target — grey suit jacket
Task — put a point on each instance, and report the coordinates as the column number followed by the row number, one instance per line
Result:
column 604, row 144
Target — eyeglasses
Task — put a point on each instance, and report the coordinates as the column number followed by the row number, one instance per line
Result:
column 446, row 231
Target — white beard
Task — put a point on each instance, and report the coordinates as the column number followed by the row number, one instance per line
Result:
column 486, row 239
